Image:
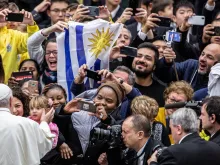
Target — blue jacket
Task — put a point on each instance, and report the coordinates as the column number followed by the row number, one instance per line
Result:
column 187, row 70
column 78, row 90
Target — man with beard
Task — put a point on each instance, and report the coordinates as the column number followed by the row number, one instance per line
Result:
column 143, row 66
column 192, row 71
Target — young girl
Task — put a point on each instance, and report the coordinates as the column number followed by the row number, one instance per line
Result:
column 37, row 105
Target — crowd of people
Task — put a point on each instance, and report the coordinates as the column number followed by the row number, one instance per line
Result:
column 158, row 106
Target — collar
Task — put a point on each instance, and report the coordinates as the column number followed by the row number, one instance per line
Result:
column 5, row 109
column 138, row 26
column 184, row 137
column 142, row 149
column 114, row 12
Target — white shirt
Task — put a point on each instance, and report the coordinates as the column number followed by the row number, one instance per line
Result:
column 114, row 12
column 141, row 158
column 23, row 141
column 184, row 137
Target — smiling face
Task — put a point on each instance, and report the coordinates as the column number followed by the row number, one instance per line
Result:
column 17, row 107
column 108, row 98
column 209, row 56
column 51, row 56
column 144, row 64
column 57, row 96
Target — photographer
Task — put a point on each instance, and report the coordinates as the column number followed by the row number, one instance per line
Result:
column 136, row 135
column 107, row 100
column 189, row 148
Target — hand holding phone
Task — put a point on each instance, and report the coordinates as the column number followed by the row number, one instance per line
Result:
column 86, row 105
column 32, row 86
column 164, row 21
column 93, row 75
column 134, row 4
column 22, row 75
column 196, row 20
column 129, row 51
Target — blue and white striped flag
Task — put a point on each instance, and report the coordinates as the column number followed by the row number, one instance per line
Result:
column 88, row 43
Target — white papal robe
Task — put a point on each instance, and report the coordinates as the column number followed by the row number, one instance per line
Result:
column 22, row 141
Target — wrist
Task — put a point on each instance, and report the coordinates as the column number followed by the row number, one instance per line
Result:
column 145, row 29
column 78, row 80
column 31, row 23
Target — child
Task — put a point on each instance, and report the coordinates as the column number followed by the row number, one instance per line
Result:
column 37, row 105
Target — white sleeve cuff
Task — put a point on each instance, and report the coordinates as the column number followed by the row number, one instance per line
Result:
column 142, row 35
column 46, row 129
column 209, row 8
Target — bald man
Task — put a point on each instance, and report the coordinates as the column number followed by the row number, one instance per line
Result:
column 194, row 72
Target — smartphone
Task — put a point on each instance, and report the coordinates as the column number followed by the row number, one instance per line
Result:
column 86, row 105
column 93, row 11
column 173, row 36
column 164, row 21
column 32, row 86
column 129, row 51
column 22, row 75
column 14, row 17
column 134, row 4
column 217, row 31
column 93, row 75
column 197, row 20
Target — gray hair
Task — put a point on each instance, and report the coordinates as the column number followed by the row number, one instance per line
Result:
column 131, row 75
column 5, row 102
column 187, row 118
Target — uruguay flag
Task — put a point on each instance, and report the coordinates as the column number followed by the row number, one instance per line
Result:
column 84, row 43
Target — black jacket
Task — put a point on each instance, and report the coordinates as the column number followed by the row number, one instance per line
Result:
column 129, row 156
column 192, row 151
column 216, row 138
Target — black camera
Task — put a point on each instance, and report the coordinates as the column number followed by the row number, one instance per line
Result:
column 112, row 136
column 195, row 105
column 159, row 150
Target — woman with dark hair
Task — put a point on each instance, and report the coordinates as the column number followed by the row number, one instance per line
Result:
column 2, row 73
column 27, row 65
column 20, row 102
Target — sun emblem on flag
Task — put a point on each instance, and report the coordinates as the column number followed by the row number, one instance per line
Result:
column 101, row 40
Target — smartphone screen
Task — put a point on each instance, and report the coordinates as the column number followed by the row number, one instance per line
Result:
column 93, row 11
column 86, row 106
column 129, row 51
column 93, row 75
column 22, row 75
column 134, row 4
column 164, row 21
column 32, row 86
column 173, row 36
column 15, row 17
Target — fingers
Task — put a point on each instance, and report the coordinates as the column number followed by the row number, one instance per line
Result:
column 82, row 70
column 65, row 151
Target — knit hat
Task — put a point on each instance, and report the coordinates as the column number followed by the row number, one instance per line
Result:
column 5, row 91
column 117, row 88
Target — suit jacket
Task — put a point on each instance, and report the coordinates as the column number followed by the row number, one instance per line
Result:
column 133, row 29
column 118, row 14
column 216, row 138
column 130, row 157
column 192, row 151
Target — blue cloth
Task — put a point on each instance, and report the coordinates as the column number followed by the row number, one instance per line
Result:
column 199, row 95
column 186, row 70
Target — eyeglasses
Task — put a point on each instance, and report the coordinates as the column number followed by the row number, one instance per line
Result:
column 172, row 100
column 53, row 52
column 69, row 16
column 59, row 11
